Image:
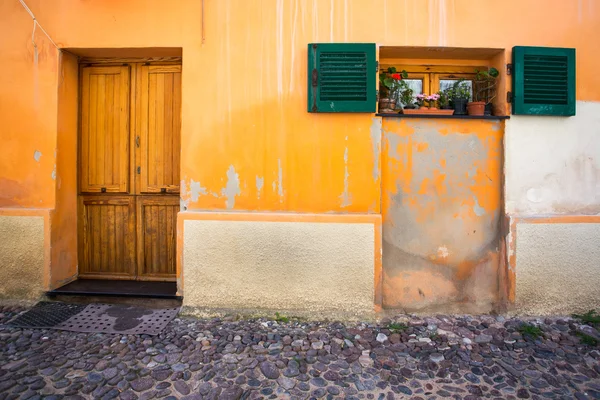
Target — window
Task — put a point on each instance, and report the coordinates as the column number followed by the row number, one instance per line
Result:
column 429, row 79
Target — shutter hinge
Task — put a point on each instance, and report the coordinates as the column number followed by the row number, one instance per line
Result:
column 315, row 84
column 139, row 170
column 509, row 97
column 377, row 95
column 509, row 69
column 376, row 65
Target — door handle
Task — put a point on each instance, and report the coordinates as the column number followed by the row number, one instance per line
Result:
column 163, row 190
column 103, row 190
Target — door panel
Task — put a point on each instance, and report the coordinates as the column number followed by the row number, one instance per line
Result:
column 157, row 237
column 160, row 127
column 107, row 236
column 105, row 130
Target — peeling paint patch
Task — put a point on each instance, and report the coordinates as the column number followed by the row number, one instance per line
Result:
column 477, row 209
column 37, row 155
column 196, row 190
column 54, row 173
column 260, row 182
column 393, row 145
column 346, row 196
column 183, row 197
column 232, row 188
column 376, row 143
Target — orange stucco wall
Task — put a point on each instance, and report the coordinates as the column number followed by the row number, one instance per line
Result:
column 244, row 88
column 247, row 141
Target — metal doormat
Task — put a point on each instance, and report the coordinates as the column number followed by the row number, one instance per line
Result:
column 96, row 318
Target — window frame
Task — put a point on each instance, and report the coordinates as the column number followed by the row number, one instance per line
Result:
column 431, row 74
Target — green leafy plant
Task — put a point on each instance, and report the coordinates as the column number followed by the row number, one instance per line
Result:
column 391, row 82
column 591, row 317
column 460, row 90
column 406, row 96
column 444, row 100
column 531, row 330
column 484, row 85
column 397, row 327
column 281, row 318
column 587, row 339
column 491, row 74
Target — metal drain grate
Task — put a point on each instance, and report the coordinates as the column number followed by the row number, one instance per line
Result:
column 96, row 318
column 120, row 319
column 46, row 315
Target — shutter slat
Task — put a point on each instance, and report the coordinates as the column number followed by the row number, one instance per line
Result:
column 338, row 72
column 544, row 79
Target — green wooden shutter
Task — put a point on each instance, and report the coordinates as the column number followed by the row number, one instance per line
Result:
column 543, row 81
column 341, row 77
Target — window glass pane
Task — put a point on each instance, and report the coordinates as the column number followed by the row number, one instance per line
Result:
column 448, row 83
column 416, row 85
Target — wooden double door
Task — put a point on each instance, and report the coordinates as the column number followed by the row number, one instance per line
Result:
column 130, row 129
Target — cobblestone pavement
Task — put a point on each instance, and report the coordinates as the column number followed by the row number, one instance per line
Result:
column 462, row 357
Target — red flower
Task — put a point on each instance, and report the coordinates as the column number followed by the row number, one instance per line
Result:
column 396, row 76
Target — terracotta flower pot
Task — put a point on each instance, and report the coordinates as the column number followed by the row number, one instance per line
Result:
column 476, row 108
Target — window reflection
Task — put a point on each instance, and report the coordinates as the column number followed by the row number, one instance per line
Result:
column 416, row 85
column 448, row 83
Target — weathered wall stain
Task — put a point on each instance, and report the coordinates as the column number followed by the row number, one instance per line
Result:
column 280, row 181
column 441, row 203
column 346, row 197
column 376, row 143
column 562, row 163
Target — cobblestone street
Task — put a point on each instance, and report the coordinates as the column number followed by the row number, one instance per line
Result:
column 464, row 357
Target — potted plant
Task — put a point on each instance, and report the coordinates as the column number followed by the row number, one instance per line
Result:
column 423, row 109
column 444, row 100
column 484, row 91
column 420, row 100
column 390, row 81
column 432, row 99
column 406, row 98
column 459, row 95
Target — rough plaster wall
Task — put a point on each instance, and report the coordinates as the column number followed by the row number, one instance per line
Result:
column 22, row 255
column 315, row 267
column 552, row 164
column 558, row 268
column 441, row 205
